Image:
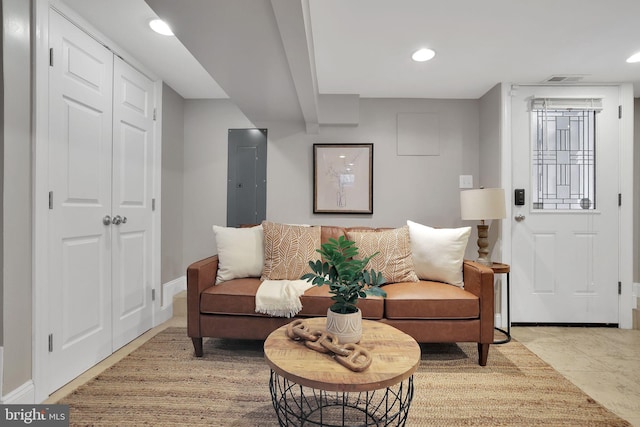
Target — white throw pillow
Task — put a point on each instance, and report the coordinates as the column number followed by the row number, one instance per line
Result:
column 438, row 253
column 240, row 252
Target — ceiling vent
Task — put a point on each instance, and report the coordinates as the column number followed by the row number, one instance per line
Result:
column 569, row 78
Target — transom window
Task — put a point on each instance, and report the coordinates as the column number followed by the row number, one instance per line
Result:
column 563, row 157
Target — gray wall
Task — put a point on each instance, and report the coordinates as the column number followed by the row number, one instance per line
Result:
column 490, row 122
column 171, row 254
column 420, row 188
column 636, row 182
column 490, row 160
column 206, row 124
column 491, row 176
column 1, row 185
column 16, row 237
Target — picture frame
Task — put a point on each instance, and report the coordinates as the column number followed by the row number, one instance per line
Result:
column 343, row 178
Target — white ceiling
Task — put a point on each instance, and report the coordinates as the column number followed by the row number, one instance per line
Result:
column 274, row 57
column 125, row 22
column 364, row 46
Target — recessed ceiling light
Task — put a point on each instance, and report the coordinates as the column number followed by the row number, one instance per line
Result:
column 423, row 54
column 634, row 58
column 160, row 27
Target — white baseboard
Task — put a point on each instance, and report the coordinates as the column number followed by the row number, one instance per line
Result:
column 23, row 395
column 497, row 321
column 1, row 370
column 169, row 290
column 172, row 288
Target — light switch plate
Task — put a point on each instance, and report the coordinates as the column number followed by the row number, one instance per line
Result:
column 466, row 181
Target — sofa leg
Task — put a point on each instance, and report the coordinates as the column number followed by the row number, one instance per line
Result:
column 197, row 345
column 483, row 353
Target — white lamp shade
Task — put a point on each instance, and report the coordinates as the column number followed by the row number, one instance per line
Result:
column 481, row 204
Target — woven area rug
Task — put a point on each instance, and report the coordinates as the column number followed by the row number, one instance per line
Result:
column 163, row 384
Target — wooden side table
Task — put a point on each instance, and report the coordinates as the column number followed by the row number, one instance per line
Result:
column 311, row 388
column 499, row 268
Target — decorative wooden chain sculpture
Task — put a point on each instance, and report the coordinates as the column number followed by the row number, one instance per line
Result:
column 351, row 356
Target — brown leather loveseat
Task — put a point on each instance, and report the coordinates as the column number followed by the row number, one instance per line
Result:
column 429, row 311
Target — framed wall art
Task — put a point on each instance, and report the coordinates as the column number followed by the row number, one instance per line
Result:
column 343, row 178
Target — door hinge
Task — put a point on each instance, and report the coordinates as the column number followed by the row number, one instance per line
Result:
column 50, row 199
column 619, row 288
column 154, row 114
column 50, row 343
column 153, row 294
column 619, row 111
column 619, row 199
column 153, row 204
column 50, row 57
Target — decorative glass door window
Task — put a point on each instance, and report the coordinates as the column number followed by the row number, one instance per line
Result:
column 563, row 159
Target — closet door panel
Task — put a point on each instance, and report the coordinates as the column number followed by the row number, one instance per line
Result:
column 133, row 138
column 80, row 143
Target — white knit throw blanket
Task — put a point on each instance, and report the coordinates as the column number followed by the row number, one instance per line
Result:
column 280, row 298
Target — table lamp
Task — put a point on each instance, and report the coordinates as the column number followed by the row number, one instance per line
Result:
column 483, row 204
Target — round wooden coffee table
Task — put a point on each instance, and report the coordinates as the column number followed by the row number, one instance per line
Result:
column 311, row 388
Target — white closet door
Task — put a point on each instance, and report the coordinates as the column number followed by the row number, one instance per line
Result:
column 101, row 131
column 133, row 136
column 80, row 137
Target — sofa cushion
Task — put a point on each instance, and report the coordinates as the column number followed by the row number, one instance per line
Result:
column 438, row 253
column 288, row 250
column 394, row 259
column 240, row 252
column 317, row 300
column 238, row 297
column 429, row 300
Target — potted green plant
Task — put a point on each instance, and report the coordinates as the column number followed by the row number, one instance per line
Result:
column 348, row 280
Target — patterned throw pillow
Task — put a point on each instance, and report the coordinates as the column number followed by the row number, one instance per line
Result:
column 394, row 260
column 288, row 250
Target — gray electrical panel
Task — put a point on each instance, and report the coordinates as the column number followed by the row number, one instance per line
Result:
column 247, row 177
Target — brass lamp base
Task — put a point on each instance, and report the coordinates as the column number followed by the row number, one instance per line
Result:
column 483, row 245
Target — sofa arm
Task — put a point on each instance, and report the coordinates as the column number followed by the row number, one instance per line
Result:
column 478, row 279
column 200, row 276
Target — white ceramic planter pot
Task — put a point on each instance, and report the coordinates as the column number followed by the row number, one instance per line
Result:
column 346, row 327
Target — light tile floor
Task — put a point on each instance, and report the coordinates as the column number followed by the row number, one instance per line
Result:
column 603, row 362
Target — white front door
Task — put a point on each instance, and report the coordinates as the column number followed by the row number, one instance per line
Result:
column 565, row 238
column 132, row 186
column 80, row 138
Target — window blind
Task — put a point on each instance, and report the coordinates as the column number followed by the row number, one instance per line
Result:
column 594, row 104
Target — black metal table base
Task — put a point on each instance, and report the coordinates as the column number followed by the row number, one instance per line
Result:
column 296, row 405
column 507, row 333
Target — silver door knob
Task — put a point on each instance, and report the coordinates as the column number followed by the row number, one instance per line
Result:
column 106, row 220
column 518, row 218
column 117, row 220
